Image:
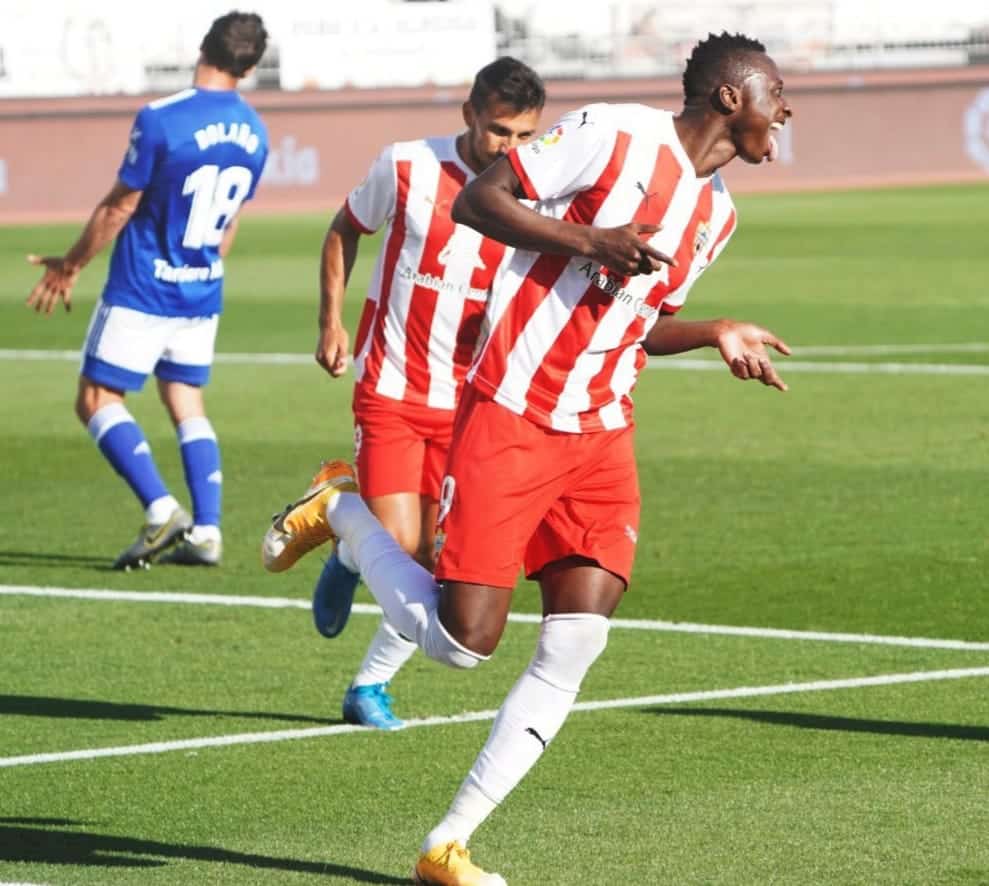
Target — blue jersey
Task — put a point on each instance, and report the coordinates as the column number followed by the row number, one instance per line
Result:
column 197, row 156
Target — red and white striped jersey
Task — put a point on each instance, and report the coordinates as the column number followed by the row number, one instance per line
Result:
column 563, row 334
column 421, row 321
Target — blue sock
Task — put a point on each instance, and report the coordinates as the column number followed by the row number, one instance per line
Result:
column 201, row 458
column 122, row 442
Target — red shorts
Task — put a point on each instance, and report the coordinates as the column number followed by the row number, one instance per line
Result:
column 516, row 494
column 399, row 447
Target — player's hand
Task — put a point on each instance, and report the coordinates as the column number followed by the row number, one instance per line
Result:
column 55, row 284
column 743, row 348
column 332, row 349
column 625, row 249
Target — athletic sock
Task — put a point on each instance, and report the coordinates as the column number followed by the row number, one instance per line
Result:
column 123, row 444
column 404, row 589
column 527, row 721
column 384, row 657
column 201, row 460
column 201, row 534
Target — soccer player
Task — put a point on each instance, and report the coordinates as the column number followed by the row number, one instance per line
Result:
column 416, row 337
column 630, row 211
column 193, row 158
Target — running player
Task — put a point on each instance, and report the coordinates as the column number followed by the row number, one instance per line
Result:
column 415, row 341
column 631, row 210
column 193, row 158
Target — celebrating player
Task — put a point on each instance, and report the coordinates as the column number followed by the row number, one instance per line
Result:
column 415, row 340
column 193, row 159
column 630, row 211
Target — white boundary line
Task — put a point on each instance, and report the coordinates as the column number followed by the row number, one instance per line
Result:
column 244, row 738
column 669, row 363
column 681, row 627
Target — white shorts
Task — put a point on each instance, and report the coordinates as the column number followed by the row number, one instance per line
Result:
column 123, row 347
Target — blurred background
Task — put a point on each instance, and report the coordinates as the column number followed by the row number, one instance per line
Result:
column 884, row 92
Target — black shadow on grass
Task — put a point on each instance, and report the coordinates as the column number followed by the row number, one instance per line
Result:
column 839, row 724
column 73, row 708
column 39, row 558
column 20, row 842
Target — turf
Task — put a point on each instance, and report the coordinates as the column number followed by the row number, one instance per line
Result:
column 854, row 503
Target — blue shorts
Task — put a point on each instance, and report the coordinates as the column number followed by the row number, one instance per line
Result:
column 123, row 347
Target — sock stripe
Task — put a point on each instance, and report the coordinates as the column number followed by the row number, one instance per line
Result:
column 197, row 428
column 106, row 418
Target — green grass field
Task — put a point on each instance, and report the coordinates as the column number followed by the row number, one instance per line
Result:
column 855, row 504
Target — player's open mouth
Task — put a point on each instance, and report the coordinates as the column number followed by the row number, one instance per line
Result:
column 773, row 148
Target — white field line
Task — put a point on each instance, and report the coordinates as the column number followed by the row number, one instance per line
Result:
column 189, row 744
column 669, row 363
column 518, row 617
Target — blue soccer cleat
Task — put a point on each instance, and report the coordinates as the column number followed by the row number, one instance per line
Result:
column 333, row 597
column 370, row 706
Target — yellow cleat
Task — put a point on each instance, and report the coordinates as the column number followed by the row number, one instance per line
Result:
column 449, row 864
column 303, row 526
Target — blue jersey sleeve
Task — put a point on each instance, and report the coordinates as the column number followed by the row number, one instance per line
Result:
column 262, row 161
column 147, row 144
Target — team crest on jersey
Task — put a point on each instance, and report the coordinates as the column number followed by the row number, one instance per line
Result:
column 135, row 134
column 702, row 237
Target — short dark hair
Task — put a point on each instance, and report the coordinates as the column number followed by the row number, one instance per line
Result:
column 235, row 42
column 721, row 58
column 509, row 81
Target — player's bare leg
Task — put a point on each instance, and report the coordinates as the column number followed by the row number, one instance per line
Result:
column 202, row 545
column 101, row 409
column 460, row 624
column 578, row 598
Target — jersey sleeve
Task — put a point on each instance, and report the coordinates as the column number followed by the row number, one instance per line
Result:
column 262, row 159
column 569, row 158
column 370, row 204
column 147, row 145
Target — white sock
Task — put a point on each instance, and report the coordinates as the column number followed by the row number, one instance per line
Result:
column 160, row 509
column 199, row 534
column 528, row 720
column 404, row 589
column 345, row 557
column 384, row 657
column 469, row 808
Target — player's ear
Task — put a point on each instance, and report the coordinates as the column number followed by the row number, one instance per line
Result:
column 727, row 99
column 467, row 109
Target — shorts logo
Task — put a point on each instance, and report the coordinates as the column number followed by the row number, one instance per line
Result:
column 632, row 535
column 358, row 439
column 702, row 236
column 447, row 489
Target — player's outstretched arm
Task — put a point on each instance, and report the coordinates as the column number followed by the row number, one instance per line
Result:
column 336, row 263
column 490, row 204
column 61, row 273
column 743, row 346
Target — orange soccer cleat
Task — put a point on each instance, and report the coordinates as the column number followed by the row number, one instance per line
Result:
column 449, row 864
column 303, row 526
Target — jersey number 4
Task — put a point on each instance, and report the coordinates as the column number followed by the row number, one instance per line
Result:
column 216, row 197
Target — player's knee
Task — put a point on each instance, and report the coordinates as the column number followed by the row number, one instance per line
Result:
column 89, row 400
column 440, row 645
column 569, row 643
